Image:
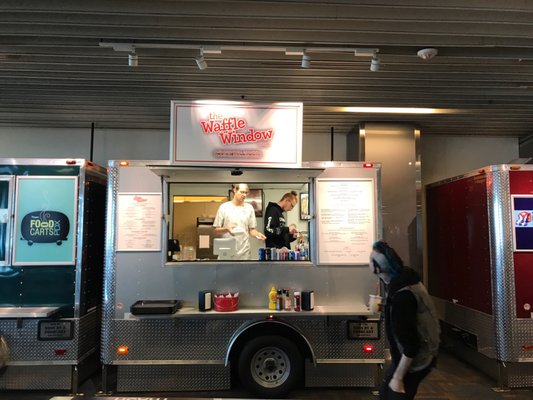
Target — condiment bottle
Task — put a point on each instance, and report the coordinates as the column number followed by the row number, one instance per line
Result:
column 272, row 298
column 297, row 301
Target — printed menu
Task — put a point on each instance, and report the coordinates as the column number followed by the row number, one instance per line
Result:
column 346, row 220
column 139, row 222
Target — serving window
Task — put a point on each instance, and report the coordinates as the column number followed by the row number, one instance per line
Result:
column 193, row 206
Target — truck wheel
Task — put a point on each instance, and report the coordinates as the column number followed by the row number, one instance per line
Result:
column 270, row 366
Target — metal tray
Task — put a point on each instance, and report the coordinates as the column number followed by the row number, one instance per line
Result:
column 155, row 307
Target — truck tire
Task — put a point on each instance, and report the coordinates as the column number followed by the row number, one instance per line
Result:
column 270, row 366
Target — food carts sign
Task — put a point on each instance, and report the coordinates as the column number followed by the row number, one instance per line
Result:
column 236, row 134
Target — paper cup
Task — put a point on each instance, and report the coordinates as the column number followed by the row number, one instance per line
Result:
column 374, row 303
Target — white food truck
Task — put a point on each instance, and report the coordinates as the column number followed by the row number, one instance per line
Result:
column 177, row 316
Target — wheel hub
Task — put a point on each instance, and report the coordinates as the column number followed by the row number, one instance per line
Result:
column 270, row 367
column 269, row 364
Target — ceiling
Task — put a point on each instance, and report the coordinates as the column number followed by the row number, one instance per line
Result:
column 56, row 72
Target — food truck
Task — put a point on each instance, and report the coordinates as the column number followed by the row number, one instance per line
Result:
column 52, row 214
column 480, row 257
column 181, row 314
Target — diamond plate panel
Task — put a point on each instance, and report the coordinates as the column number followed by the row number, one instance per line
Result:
column 175, row 339
column 522, row 334
column 519, row 375
column 108, row 303
column 341, row 375
column 472, row 321
column 36, row 377
column 143, row 378
column 511, row 333
column 25, row 346
column 501, row 228
column 206, row 339
column 328, row 338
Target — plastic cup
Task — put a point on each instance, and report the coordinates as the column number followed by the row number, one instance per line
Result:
column 374, row 302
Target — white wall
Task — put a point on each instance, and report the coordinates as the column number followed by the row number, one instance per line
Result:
column 123, row 144
column 447, row 156
column 44, row 143
column 442, row 156
column 137, row 144
column 114, row 144
column 318, row 147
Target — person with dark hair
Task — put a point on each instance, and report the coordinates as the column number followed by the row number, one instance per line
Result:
column 278, row 234
column 411, row 324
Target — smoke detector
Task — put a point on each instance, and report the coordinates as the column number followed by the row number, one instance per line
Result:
column 427, row 54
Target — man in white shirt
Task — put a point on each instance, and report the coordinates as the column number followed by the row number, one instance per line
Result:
column 235, row 218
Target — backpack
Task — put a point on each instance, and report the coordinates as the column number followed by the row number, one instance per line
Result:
column 428, row 327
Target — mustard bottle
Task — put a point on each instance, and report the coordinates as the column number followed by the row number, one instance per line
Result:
column 272, row 298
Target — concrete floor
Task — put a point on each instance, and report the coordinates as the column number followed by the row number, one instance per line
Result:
column 451, row 380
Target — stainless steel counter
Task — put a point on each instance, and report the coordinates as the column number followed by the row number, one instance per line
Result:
column 27, row 312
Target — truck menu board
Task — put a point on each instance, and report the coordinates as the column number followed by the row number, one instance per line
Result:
column 346, row 220
column 139, row 218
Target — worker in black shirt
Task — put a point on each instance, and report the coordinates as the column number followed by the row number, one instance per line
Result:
column 411, row 324
column 278, row 234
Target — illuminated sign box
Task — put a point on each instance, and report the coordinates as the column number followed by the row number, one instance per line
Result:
column 210, row 133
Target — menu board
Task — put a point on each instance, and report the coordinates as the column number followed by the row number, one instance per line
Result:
column 346, row 220
column 139, row 222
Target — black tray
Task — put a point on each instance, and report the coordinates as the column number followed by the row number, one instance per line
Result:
column 155, row 307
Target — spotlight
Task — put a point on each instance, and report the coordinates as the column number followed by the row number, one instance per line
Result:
column 374, row 64
column 306, row 61
column 133, row 59
column 200, row 61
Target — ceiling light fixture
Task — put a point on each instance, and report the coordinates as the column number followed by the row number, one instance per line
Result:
column 211, row 50
column 374, row 63
column 200, row 60
column 294, row 51
column 365, row 52
column 399, row 110
column 217, row 49
column 133, row 59
column 427, row 54
column 306, row 60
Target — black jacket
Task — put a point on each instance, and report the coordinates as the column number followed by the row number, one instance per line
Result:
column 276, row 229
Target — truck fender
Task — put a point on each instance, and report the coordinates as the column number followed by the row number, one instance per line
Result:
column 279, row 325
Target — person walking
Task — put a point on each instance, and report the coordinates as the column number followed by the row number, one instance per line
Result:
column 411, row 324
